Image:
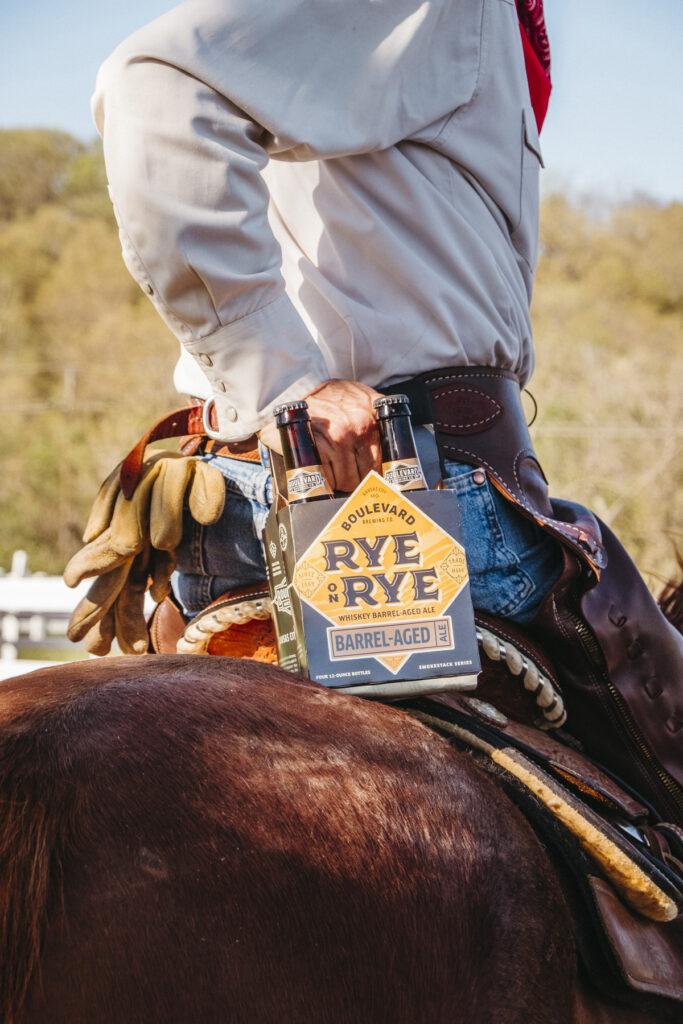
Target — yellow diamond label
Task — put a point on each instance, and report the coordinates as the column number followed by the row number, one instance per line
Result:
column 382, row 573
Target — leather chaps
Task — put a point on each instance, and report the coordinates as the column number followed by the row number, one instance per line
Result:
column 619, row 661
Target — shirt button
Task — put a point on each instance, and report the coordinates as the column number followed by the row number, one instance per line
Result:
column 148, row 288
column 231, row 413
column 479, row 476
column 203, row 358
column 220, row 386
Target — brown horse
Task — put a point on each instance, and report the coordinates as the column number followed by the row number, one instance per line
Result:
column 206, row 840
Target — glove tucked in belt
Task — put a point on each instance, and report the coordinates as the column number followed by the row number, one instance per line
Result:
column 130, row 543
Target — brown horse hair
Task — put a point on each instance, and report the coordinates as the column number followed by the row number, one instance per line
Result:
column 103, row 770
column 31, row 827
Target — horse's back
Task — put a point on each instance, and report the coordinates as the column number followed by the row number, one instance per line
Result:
column 210, row 840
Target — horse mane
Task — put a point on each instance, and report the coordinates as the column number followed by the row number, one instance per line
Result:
column 249, row 759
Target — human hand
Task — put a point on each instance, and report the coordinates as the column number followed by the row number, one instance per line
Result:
column 345, row 430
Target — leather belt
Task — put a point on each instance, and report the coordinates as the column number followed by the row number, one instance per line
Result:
column 188, row 425
column 418, row 396
column 478, row 419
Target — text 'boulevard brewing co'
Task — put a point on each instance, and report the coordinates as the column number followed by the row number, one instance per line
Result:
column 370, row 592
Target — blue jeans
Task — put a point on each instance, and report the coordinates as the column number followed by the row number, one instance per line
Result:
column 228, row 554
column 512, row 562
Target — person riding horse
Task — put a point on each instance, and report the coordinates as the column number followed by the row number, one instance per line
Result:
column 332, row 201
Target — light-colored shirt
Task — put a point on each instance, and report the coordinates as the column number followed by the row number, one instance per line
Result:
column 310, row 189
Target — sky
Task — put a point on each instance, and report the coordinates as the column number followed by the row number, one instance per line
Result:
column 615, row 125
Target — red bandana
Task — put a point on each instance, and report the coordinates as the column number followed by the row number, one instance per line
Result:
column 536, row 55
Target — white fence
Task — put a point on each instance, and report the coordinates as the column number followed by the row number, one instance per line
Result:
column 34, row 613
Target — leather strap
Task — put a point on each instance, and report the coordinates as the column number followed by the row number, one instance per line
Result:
column 185, row 422
column 568, row 765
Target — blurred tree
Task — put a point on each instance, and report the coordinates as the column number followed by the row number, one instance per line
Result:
column 33, row 165
column 86, row 363
column 608, row 322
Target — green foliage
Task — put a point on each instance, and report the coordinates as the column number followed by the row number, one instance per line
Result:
column 85, row 173
column 608, row 322
column 33, row 166
column 86, row 363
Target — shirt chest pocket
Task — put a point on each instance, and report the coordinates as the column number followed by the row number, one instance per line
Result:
column 524, row 234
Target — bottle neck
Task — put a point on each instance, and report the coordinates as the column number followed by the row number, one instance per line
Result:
column 298, row 446
column 400, row 462
column 305, row 478
column 396, row 439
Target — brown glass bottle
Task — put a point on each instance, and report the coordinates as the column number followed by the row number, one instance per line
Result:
column 305, row 478
column 400, row 463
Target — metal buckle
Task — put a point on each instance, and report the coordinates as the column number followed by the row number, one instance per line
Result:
column 206, row 420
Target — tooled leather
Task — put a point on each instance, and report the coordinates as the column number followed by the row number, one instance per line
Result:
column 494, row 434
column 471, row 412
column 605, row 693
column 167, row 623
column 520, row 638
column 253, row 592
column 563, row 759
column 644, row 654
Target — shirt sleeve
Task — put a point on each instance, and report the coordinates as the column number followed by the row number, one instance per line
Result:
column 191, row 108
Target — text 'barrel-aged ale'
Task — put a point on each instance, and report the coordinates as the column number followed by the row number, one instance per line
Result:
column 400, row 463
column 305, row 478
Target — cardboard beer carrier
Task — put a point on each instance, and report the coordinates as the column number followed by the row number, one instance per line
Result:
column 371, row 592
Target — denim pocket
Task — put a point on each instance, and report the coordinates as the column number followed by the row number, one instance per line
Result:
column 499, row 584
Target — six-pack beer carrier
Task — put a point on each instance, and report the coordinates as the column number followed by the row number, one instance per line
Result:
column 370, row 592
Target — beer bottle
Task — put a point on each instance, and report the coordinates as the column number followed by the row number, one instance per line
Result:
column 400, row 463
column 305, row 478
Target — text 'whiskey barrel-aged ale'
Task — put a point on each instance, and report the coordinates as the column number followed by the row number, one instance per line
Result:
column 400, row 463
column 305, row 478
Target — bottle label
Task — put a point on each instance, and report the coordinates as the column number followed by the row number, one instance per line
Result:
column 307, row 482
column 406, row 474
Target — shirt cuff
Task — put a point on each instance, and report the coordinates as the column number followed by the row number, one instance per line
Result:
column 256, row 363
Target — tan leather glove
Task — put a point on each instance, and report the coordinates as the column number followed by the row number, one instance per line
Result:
column 130, row 545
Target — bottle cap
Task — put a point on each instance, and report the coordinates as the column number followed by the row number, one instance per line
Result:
column 388, row 405
column 289, row 406
column 390, row 400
